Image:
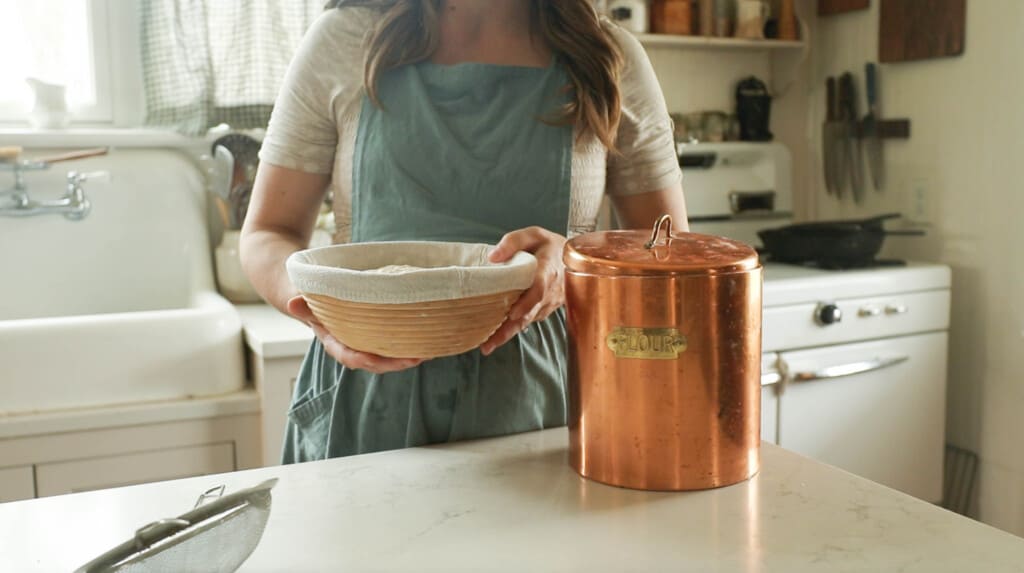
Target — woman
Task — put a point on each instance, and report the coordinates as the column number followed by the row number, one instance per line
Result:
column 497, row 121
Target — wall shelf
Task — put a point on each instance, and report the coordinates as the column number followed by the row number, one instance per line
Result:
column 671, row 40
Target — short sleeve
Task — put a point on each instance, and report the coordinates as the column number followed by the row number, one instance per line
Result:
column 647, row 156
column 325, row 73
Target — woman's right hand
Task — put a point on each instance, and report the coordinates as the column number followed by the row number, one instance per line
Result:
column 354, row 359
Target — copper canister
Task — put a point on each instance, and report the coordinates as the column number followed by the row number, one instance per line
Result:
column 664, row 358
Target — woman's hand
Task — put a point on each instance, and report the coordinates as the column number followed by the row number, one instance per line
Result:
column 298, row 308
column 548, row 291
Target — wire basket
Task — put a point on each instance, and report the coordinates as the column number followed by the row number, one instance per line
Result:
column 959, row 472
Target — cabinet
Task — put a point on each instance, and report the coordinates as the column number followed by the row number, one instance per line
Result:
column 770, row 383
column 275, row 346
column 128, row 469
column 274, row 378
column 65, row 452
column 769, row 414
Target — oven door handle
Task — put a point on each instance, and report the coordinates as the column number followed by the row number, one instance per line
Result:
column 849, row 369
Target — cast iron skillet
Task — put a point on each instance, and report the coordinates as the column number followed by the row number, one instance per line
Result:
column 848, row 243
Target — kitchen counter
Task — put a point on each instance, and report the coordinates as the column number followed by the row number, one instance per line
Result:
column 272, row 334
column 513, row 504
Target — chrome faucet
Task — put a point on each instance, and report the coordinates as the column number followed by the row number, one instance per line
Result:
column 18, row 193
column 74, row 205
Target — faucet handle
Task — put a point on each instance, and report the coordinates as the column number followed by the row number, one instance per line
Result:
column 76, row 177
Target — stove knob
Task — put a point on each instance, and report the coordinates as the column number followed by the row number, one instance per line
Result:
column 828, row 314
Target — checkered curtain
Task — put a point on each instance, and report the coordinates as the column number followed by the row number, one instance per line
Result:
column 208, row 62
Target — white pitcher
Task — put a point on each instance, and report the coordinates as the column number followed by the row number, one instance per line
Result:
column 51, row 107
column 750, row 19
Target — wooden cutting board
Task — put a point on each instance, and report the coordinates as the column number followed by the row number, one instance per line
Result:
column 829, row 7
column 920, row 29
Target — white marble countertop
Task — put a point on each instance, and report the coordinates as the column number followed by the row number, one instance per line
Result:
column 513, row 504
column 272, row 334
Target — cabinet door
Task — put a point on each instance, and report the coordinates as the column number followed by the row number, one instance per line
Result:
column 875, row 409
column 114, row 471
column 16, row 484
column 769, row 414
column 770, row 382
column 275, row 381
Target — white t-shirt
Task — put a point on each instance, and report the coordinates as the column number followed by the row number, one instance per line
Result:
column 316, row 116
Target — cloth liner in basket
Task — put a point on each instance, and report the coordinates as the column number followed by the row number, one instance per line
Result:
column 449, row 271
column 451, row 303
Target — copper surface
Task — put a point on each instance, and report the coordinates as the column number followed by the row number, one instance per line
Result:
column 640, row 418
column 626, row 253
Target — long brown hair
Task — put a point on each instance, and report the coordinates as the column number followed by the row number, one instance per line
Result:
column 408, row 33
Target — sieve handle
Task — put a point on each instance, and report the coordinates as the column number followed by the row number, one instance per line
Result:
column 663, row 221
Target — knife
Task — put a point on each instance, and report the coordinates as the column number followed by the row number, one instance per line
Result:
column 850, row 141
column 839, row 159
column 837, row 131
column 828, row 136
column 872, row 139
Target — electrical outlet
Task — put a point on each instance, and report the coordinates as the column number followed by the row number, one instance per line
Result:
column 918, row 208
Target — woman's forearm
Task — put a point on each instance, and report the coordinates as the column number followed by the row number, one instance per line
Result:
column 263, row 253
column 642, row 210
column 280, row 221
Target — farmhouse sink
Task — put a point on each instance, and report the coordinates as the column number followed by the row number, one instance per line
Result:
column 121, row 306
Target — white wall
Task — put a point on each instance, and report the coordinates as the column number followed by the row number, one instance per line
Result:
column 966, row 153
column 702, row 79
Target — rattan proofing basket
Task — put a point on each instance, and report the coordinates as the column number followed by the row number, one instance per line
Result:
column 451, row 304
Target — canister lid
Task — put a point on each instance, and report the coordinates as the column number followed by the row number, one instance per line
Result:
column 657, row 253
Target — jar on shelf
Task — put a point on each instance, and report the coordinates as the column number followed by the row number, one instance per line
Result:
column 706, row 17
column 787, row 20
column 672, row 17
column 630, row 14
column 751, row 16
column 724, row 18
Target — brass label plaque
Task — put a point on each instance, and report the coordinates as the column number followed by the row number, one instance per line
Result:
column 646, row 343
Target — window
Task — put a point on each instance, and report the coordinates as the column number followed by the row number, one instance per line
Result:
column 76, row 43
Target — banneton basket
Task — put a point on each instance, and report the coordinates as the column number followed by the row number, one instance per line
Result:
column 450, row 302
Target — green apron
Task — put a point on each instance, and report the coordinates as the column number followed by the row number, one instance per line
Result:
column 458, row 153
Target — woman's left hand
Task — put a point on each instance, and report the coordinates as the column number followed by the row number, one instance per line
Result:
column 548, row 291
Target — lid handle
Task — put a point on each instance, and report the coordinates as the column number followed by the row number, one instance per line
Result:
column 663, row 221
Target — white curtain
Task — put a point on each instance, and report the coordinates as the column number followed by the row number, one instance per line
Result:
column 208, row 62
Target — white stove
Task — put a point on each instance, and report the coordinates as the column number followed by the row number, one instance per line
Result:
column 736, row 189
column 855, row 366
column 854, row 361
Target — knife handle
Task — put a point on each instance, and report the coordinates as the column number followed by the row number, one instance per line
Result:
column 872, row 84
column 847, row 98
column 831, row 100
